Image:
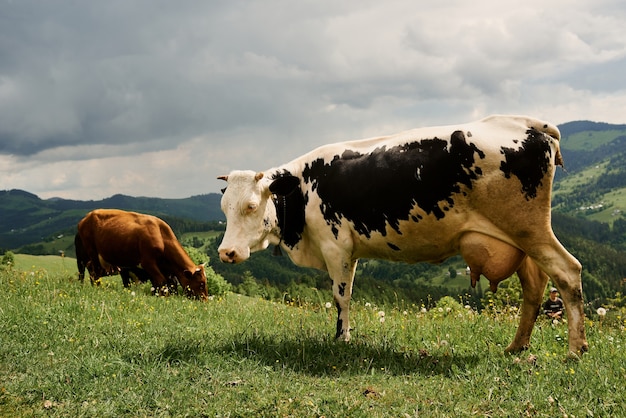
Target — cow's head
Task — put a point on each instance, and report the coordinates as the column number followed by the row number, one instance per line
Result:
column 250, row 216
column 194, row 283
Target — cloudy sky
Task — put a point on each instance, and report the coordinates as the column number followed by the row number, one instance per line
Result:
column 158, row 98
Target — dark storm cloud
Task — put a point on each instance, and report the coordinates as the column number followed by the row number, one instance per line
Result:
column 188, row 90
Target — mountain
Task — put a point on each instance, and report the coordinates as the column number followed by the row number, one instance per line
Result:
column 25, row 218
column 592, row 184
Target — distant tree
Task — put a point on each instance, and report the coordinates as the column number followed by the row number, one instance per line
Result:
column 452, row 272
column 249, row 286
column 8, row 259
column 215, row 283
column 508, row 294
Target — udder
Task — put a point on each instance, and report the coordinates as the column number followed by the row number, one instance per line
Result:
column 494, row 259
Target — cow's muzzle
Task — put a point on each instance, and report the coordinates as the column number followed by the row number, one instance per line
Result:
column 229, row 255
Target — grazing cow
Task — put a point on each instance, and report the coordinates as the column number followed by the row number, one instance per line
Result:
column 480, row 189
column 112, row 237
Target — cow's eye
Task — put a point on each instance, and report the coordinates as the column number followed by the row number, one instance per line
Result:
column 251, row 207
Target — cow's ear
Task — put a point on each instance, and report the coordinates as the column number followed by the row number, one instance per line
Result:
column 284, row 185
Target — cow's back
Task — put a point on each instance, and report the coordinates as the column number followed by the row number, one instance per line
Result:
column 118, row 236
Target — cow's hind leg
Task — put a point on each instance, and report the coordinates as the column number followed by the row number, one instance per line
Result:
column 125, row 275
column 95, row 273
column 533, row 282
column 565, row 271
column 497, row 260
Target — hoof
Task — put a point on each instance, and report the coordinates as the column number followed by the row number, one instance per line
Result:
column 514, row 348
column 343, row 336
column 578, row 354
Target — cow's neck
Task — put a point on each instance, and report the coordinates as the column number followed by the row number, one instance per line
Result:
column 179, row 260
column 289, row 218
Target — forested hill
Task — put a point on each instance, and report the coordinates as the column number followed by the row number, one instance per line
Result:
column 25, row 218
column 585, row 143
column 592, row 184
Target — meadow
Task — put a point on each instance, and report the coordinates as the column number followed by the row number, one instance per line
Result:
column 73, row 350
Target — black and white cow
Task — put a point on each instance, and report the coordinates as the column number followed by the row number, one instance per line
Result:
column 480, row 189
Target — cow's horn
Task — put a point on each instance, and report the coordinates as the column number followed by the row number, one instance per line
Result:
column 258, row 176
column 225, row 178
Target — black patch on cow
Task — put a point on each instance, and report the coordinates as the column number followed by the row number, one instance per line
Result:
column 393, row 246
column 290, row 203
column 339, row 322
column 339, row 328
column 342, row 289
column 380, row 188
column 529, row 163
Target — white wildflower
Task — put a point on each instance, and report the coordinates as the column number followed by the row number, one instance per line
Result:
column 601, row 311
column 381, row 314
column 328, row 305
column 367, row 304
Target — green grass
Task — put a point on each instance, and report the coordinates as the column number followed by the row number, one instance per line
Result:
column 614, row 202
column 72, row 350
column 589, row 140
column 570, row 182
column 614, row 206
column 51, row 264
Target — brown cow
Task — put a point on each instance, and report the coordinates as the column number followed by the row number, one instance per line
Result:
column 112, row 237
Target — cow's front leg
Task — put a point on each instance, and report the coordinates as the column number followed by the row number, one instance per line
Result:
column 343, row 277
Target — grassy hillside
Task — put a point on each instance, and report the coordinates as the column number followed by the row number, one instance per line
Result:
column 590, row 140
column 53, row 265
column 605, row 207
column 77, row 350
column 26, row 219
